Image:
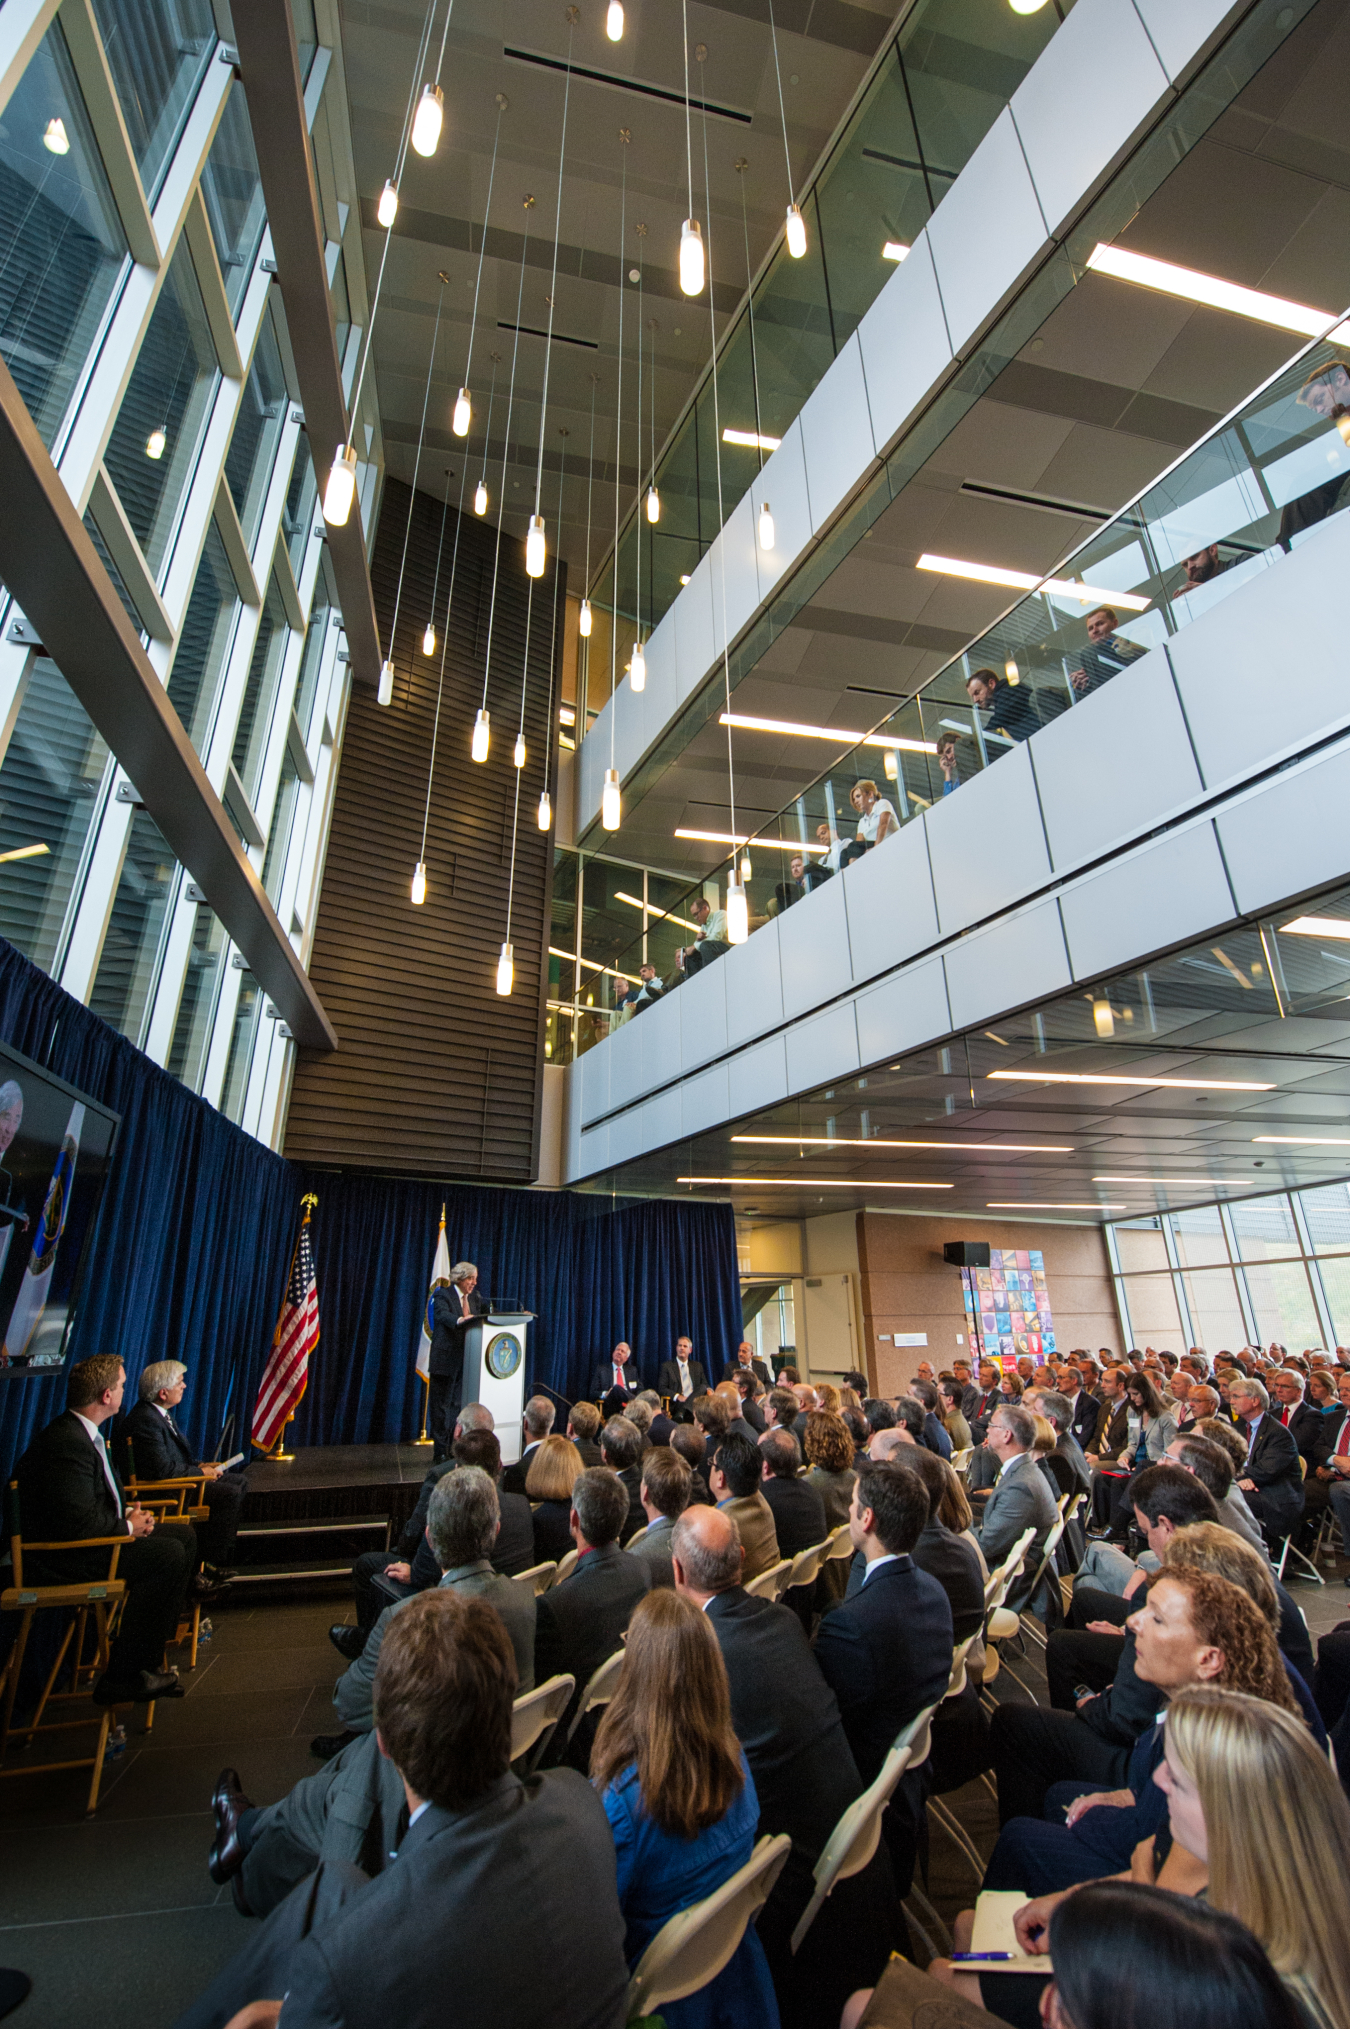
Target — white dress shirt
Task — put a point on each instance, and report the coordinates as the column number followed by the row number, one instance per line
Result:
column 96, row 1439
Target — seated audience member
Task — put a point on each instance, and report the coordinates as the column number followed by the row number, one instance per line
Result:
column 780, row 1409
column 583, row 1428
column 829, row 1453
column 745, row 1360
column 713, row 1417
column 621, row 1451
column 555, row 1467
column 1108, row 1439
column 712, row 940
column 876, row 819
column 979, row 1403
column 950, row 750
column 751, row 1392
column 578, row 1624
column 857, row 1427
column 1272, row 1478
column 950, row 1395
column 1057, row 1410
column 687, row 1441
column 1213, row 1467
column 798, row 1511
column 787, row 1721
column 659, row 1425
column 639, row 1414
column 880, row 1415
column 1201, row 1401
column 947, row 1555
column 616, row 1375
column 728, row 1392
column 1011, row 707
column 666, row 1481
column 68, row 1490
column 734, row 1478
column 1021, row 1500
column 1107, row 653
column 934, row 1433
column 803, row 875
column 476, row 1847
column 538, row 1422
column 682, row 1380
column 680, row 1800
column 1328, row 1481
column 649, row 988
column 1164, row 1498
column 1149, row 1429
column 462, row 1525
column 159, row 1450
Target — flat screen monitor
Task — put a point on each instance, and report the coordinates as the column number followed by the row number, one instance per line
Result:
column 56, row 1148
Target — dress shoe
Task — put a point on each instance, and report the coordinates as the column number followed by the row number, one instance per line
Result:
column 142, row 1689
column 347, row 1640
column 228, row 1803
column 201, row 1589
column 326, row 1745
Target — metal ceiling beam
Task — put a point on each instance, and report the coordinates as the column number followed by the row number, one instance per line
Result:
column 49, row 563
column 264, row 35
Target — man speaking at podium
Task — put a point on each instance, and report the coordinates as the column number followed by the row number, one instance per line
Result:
column 453, row 1310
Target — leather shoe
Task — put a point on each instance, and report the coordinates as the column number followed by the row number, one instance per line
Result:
column 142, row 1689
column 228, row 1803
column 347, row 1640
column 326, row 1745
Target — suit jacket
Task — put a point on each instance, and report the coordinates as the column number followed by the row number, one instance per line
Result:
column 602, row 1380
column 1304, row 1426
column 733, row 1367
column 543, row 1846
column 1273, row 1464
column 514, row 1476
column 589, row 1450
column 754, row 1518
column 1021, row 1500
column 1068, row 1448
column 513, row 1550
column 978, row 1413
column 936, row 1437
column 1086, row 1416
column 754, row 1416
column 886, row 1653
column 668, row 1379
column 798, row 1514
column 158, row 1451
column 64, row 1494
column 578, row 1623
column 1324, row 1442
column 552, row 1530
column 958, row 1430
column 446, row 1358
column 654, row 1550
column 514, row 1603
column 787, row 1720
column 955, row 1563
column 1112, row 1431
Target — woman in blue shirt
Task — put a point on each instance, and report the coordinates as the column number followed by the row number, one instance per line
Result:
column 680, row 1800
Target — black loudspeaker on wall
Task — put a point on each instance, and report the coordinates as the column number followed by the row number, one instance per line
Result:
column 966, row 1253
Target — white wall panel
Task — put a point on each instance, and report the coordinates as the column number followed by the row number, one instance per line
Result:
column 754, row 988
column 1118, row 761
column 594, row 1070
column 1290, row 834
column 702, row 1006
column 592, row 1151
column 658, row 699
column 902, row 1013
column 624, row 1050
column 904, row 344
column 1173, row 888
column 986, row 232
column 1018, row 959
column 695, row 644
column 704, row 1100
column 823, row 1048
column 986, row 843
column 1263, row 670
column 1093, row 86
column 592, row 759
column 736, row 544
column 1180, row 29
column 758, row 1077
column 813, row 947
column 626, row 1135
column 837, row 433
column 889, row 899
column 783, row 484
column 659, row 1030
column 662, row 1119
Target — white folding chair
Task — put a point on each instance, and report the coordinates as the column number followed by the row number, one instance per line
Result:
column 538, row 1578
column 535, row 1714
column 838, row 1545
column 1288, row 1548
column 604, row 1683
column 999, row 1621
column 857, row 1835
column 806, row 1566
column 694, row 1945
column 960, row 1460
column 770, row 1583
column 956, row 1684
column 566, row 1566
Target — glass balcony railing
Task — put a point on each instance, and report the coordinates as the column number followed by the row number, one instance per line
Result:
column 1232, row 507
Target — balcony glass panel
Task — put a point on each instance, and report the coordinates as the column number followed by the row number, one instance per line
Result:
column 232, row 192
column 260, row 690
column 247, row 1015
column 1282, row 1304
column 279, row 838
column 157, row 52
column 49, row 796
column 129, row 963
column 1265, row 1230
column 1155, row 1319
column 1327, row 1213
column 1216, row 1316
column 204, row 642
column 257, row 431
column 299, row 509
column 311, row 662
column 197, row 1007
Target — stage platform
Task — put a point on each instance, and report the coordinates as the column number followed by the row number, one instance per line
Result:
column 306, row 1518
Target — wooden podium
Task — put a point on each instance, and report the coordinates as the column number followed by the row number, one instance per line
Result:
column 494, row 1372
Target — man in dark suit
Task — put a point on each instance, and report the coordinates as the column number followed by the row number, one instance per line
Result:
column 1084, row 1411
column 682, row 1378
column 744, row 1362
column 1021, row 1500
column 618, row 1372
column 666, row 1483
column 535, row 1427
column 68, row 1490
column 159, row 1450
column 579, row 1622
column 1056, row 1409
column 583, row 1428
column 984, row 1401
column 453, row 1309
column 476, row 1848
column 933, row 1434
column 1272, row 1479
column 621, row 1451
column 752, row 1395
column 688, row 1441
column 1108, row 1439
column 1287, row 1406
column 952, row 1560
column 798, row 1511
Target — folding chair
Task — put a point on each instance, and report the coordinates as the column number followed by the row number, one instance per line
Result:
column 770, row 1583
column 604, row 1683
column 838, row 1545
column 566, row 1566
column 693, row 1946
column 999, row 1622
column 534, row 1716
column 539, row 1577
column 167, row 1499
column 806, row 1566
column 960, row 1460
column 1288, row 1548
column 857, row 1835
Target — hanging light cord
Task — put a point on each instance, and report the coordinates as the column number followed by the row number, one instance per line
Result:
column 553, row 637
column 445, row 644
column 417, row 462
column 482, row 244
column 440, row 61
column 688, row 136
column 637, row 498
column 618, row 455
column 590, row 484
column 553, row 285
column 743, row 165
column 721, row 520
column 506, row 454
column 515, row 813
column 782, row 110
column 492, row 396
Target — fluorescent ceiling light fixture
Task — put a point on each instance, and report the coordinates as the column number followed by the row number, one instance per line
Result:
column 1305, row 1140
column 894, row 250
column 566, row 715
column 751, row 439
column 1212, row 291
column 946, row 1147
column 666, row 915
column 760, row 844
column 1316, row 926
column 24, row 852
column 1211, row 1183
column 845, row 733
column 815, row 1184
column 1099, row 1078
column 1025, row 581
column 591, row 964
column 1044, row 1205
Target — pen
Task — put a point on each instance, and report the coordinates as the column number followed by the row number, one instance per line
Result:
column 971, row 1958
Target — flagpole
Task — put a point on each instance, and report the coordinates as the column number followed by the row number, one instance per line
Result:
column 425, row 1379
column 278, row 1455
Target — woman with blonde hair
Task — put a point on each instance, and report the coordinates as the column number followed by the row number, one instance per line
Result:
column 554, row 1471
column 680, row 1799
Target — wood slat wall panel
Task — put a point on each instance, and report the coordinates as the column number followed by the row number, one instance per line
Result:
column 434, row 1074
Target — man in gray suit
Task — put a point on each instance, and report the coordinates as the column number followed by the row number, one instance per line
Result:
column 463, row 1519
column 1021, row 1499
column 666, row 1484
column 479, row 1854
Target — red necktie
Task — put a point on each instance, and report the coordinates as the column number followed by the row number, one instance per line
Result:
column 1284, row 1417
column 1343, row 1445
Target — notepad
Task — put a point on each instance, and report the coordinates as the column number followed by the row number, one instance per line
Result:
column 993, row 1932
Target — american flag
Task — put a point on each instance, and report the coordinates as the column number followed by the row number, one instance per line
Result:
column 286, row 1374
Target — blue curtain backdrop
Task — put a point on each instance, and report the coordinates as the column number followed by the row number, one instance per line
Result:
column 194, row 1239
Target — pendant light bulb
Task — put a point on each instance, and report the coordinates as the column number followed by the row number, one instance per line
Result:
column 55, row 138
column 891, row 764
column 463, row 415
column 340, row 491
column 584, row 623
column 482, row 732
column 506, row 970
column 691, row 258
column 611, row 803
column 155, row 442
column 1026, row 6
column 637, row 669
column 419, row 884
column 386, row 211
column 614, row 21
column 738, row 914
column 429, row 639
column 796, row 232
column 745, row 866
column 653, row 505
column 536, row 549
column 480, row 498
column 518, row 752
column 767, row 533
column 426, row 126
column 1011, row 671
column 385, row 694
column 545, row 811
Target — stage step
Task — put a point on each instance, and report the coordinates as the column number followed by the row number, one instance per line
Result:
column 275, row 1553
column 333, row 1525
column 300, row 1570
